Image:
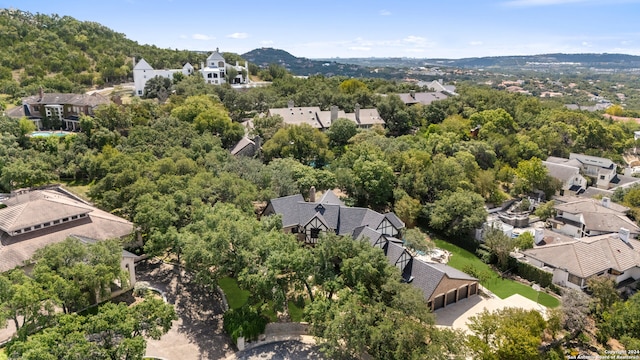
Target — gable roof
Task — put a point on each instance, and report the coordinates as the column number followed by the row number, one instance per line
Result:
column 243, row 143
column 329, row 197
column 142, row 65
column 92, row 100
column 590, row 256
column 424, row 98
column 562, row 172
column 427, row 276
column 215, row 56
column 588, row 205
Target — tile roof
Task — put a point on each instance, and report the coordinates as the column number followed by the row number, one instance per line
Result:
column 100, row 225
column 589, row 256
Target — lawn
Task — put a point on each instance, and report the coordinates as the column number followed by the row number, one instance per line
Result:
column 237, row 297
column 503, row 288
column 80, row 188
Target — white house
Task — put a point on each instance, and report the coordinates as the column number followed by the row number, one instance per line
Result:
column 214, row 72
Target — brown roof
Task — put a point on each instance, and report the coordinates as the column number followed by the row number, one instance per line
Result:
column 37, row 208
column 92, row 100
column 99, row 225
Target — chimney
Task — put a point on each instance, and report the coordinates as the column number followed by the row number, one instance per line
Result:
column 312, row 194
column 134, row 61
column 440, row 81
column 624, row 235
column 41, row 93
column 412, row 93
column 290, row 104
column 201, row 65
column 538, row 236
column 606, row 202
column 357, row 111
column 334, row 113
column 217, row 50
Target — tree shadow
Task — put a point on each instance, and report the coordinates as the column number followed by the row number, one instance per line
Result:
column 199, row 307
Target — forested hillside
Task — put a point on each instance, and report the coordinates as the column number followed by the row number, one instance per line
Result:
column 63, row 54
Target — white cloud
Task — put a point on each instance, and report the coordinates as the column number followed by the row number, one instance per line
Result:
column 201, row 37
column 359, row 48
column 414, row 39
column 385, row 12
column 585, row 43
column 475, row 43
column 238, row 35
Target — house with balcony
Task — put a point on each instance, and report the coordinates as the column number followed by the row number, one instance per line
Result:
column 55, row 110
column 214, row 71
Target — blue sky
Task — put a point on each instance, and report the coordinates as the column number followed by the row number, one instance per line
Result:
column 358, row 28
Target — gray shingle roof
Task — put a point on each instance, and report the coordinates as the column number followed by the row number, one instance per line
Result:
column 424, row 98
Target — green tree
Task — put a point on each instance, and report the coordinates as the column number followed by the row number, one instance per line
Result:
column 341, row 131
column 546, row 210
column 408, row 209
column 417, row 240
column 458, row 213
column 302, row 142
column 158, row 87
column 500, row 244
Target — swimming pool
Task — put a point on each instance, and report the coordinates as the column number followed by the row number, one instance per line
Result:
column 50, row 133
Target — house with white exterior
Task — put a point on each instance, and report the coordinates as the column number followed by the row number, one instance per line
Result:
column 573, row 262
column 568, row 172
column 316, row 118
column 584, row 217
column 214, row 72
column 441, row 284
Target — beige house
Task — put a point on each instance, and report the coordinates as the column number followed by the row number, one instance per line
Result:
column 316, row 118
column 583, row 217
column 573, row 262
column 33, row 219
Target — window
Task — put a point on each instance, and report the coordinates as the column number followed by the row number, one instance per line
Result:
column 215, row 76
column 209, row 75
column 37, row 227
column 139, row 92
column 575, row 280
column 65, row 219
column 56, row 222
column 19, row 231
column 315, row 233
column 601, row 177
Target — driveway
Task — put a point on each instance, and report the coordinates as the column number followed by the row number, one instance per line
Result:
column 457, row 315
column 280, row 350
column 198, row 333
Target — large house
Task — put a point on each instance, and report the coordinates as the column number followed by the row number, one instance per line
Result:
column 214, row 72
column 583, row 217
column 423, row 98
column 316, row 118
column 602, row 171
column 63, row 108
column 573, row 261
column 35, row 218
column 441, row 284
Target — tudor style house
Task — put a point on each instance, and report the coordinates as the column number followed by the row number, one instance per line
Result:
column 214, row 72
column 64, row 109
column 35, row 218
column 312, row 115
column 441, row 284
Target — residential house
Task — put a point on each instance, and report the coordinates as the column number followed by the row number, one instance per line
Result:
column 316, row 118
column 247, row 147
column 424, row 98
column 603, row 171
column 572, row 263
column 64, row 109
column 568, row 172
column 213, row 71
column 584, row 217
column 440, row 284
column 35, row 218
column 439, row 86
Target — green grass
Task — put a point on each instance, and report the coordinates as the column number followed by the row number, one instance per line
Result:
column 236, row 297
column 295, row 312
column 3, row 354
column 503, row 288
column 79, row 187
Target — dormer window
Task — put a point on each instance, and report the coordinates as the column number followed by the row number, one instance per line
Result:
column 319, row 208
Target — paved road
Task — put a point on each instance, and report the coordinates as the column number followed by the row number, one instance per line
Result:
column 198, row 334
column 282, row 350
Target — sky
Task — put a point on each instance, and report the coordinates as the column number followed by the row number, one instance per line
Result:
column 358, row 28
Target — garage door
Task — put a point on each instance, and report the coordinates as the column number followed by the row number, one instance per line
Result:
column 473, row 289
column 438, row 302
column 463, row 292
column 451, row 297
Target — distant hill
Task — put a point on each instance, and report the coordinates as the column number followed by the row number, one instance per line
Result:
column 304, row 67
column 596, row 62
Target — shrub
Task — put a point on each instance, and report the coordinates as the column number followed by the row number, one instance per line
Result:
column 244, row 322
